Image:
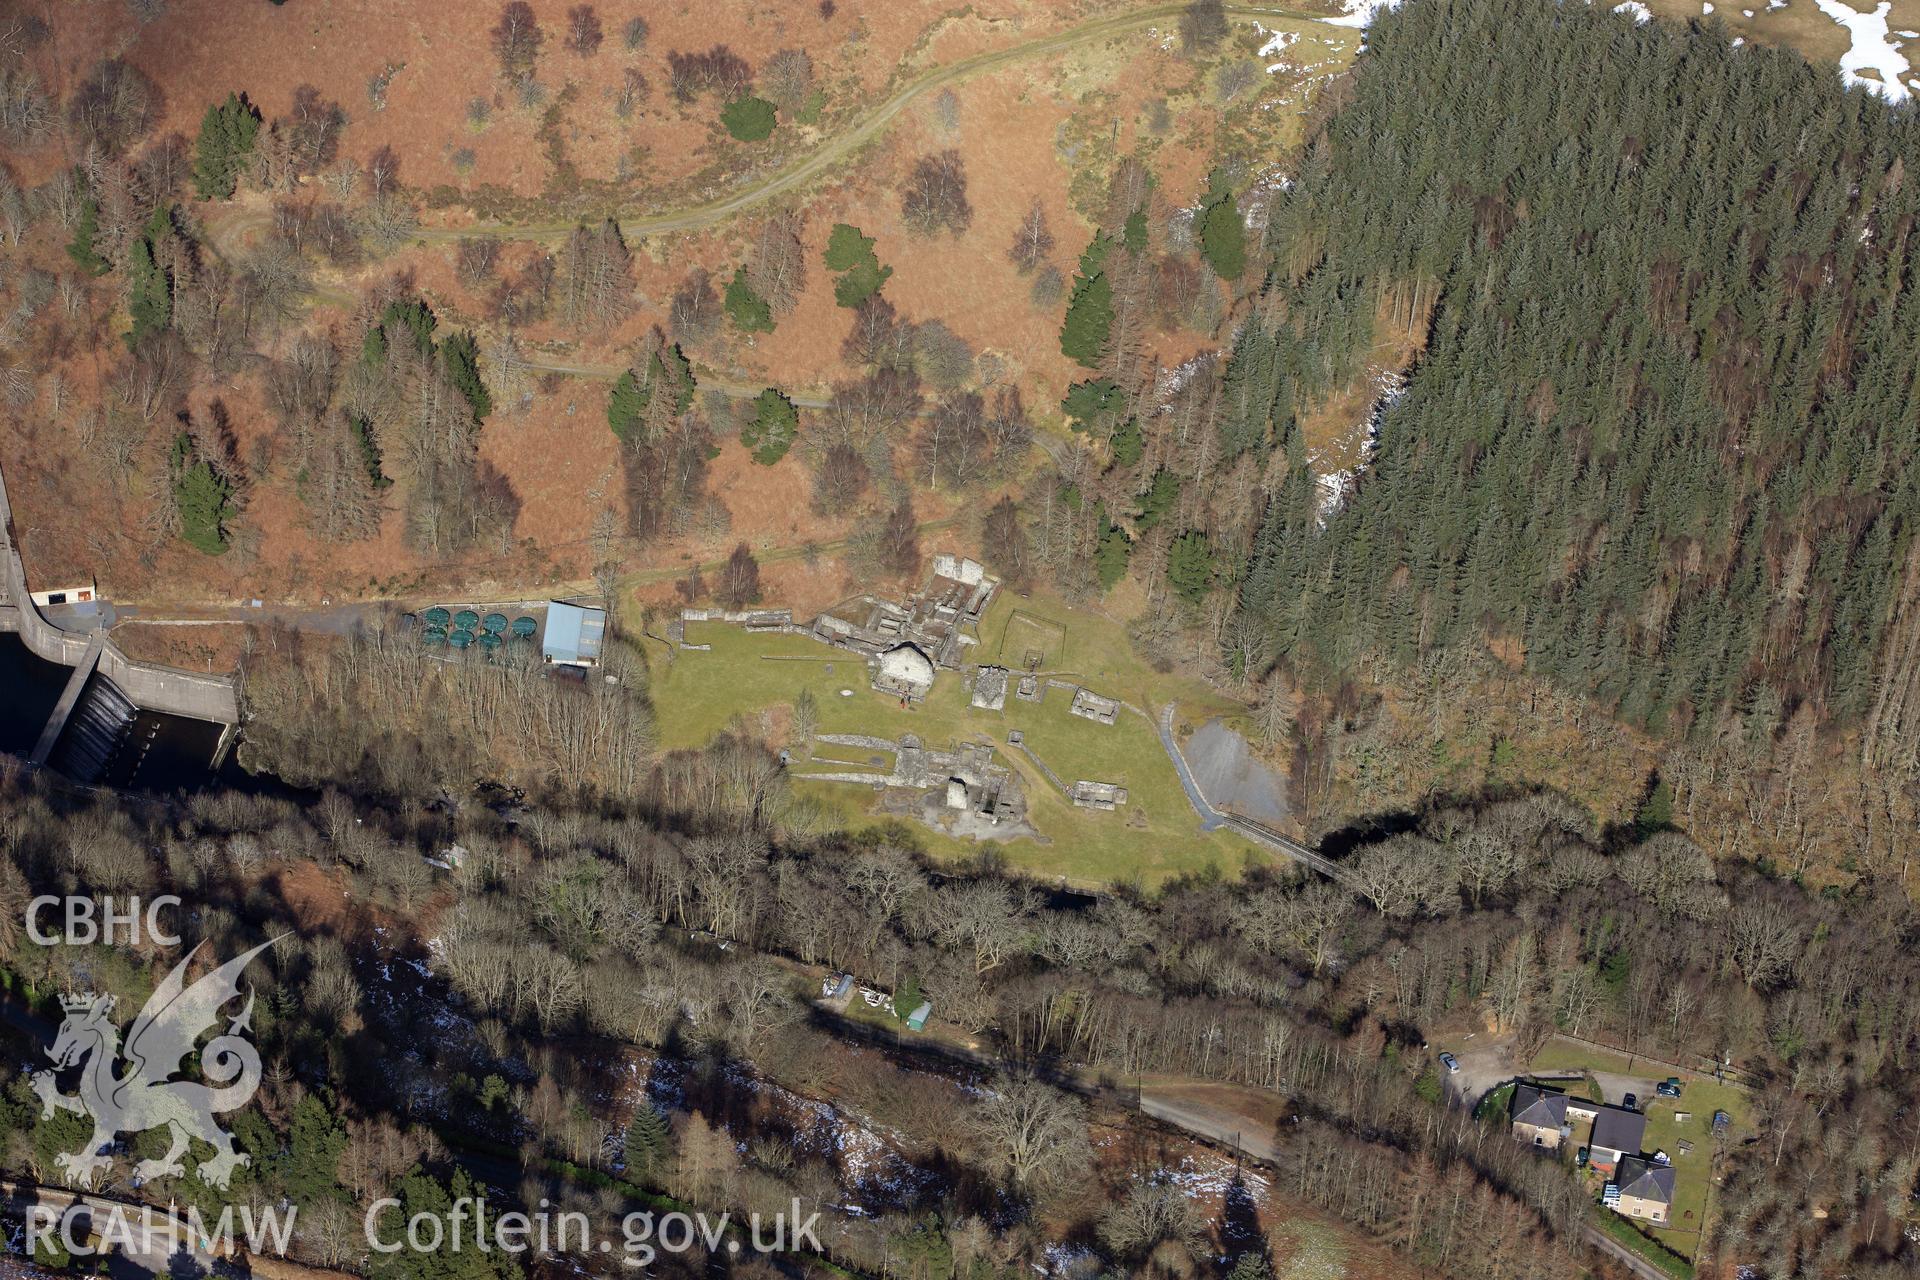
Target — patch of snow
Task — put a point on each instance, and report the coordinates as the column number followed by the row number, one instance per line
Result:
column 1067, row 1259
column 1706, row 9
column 1337, row 486
column 1277, row 42
column 1280, row 40
column 1746, row 13
column 1871, row 51
column 1360, row 12
column 1908, row 35
column 1641, row 14
column 1738, row 41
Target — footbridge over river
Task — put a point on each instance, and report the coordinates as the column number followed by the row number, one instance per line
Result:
column 213, row 698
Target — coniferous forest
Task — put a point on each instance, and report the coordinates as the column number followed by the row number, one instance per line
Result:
column 1664, row 431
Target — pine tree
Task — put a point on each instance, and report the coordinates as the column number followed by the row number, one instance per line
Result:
column 85, row 227
column 749, row 119
column 847, row 247
column 228, row 131
column 202, row 498
column 1190, row 566
column 1088, row 404
column 460, row 353
column 150, row 292
column 1223, row 237
column 624, row 407
column 1129, row 444
column 671, row 368
column 749, row 311
column 1158, row 499
column 772, row 429
column 1083, row 335
column 1110, row 557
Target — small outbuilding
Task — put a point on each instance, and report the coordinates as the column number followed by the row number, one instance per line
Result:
column 990, row 688
column 1097, row 795
column 1091, row 706
column 917, row 1020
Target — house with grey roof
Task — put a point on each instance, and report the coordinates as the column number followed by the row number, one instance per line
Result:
column 1645, row 1189
column 1539, row 1116
column 1617, row 1132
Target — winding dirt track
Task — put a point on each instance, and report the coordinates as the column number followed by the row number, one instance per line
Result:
column 847, row 142
column 229, row 233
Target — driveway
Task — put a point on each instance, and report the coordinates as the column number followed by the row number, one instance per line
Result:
column 1486, row 1063
column 1614, row 1087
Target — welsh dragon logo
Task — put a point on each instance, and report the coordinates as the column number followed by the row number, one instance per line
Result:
column 143, row 1097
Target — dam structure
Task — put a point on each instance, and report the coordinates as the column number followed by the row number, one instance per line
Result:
column 105, row 689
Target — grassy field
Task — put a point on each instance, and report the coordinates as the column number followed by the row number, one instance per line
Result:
column 1693, row 1171
column 1153, row 837
column 1564, row 1055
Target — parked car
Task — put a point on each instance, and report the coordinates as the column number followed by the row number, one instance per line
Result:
column 1451, row 1063
column 1631, row 1102
column 1668, row 1088
column 1580, row 1158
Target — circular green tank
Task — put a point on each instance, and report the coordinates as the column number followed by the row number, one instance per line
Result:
column 437, row 617
column 460, row 638
column 524, row 627
column 433, row 635
column 495, row 623
column 466, row 620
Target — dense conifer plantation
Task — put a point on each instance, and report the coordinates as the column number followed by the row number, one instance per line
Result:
column 1665, row 430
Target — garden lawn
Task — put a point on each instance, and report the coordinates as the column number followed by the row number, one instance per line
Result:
column 1693, row 1172
column 1564, row 1055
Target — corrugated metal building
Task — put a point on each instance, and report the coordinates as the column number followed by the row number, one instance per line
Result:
column 574, row 634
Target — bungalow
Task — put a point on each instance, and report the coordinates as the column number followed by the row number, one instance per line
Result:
column 1617, row 1132
column 1539, row 1116
column 1645, row 1189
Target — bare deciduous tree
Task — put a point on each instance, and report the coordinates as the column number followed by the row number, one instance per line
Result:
column 584, row 33
column 1032, row 1132
column 695, row 308
column 776, row 269
column 934, row 196
column 516, row 40
column 787, row 80
column 1032, row 242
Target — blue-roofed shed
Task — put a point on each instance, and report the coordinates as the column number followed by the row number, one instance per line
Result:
column 573, row 634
